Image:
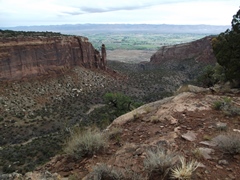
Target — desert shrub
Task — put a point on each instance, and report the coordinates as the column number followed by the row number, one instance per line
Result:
column 217, row 105
column 227, row 100
column 131, row 175
column 118, row 104
column 231, row 110
column 206, row 78
column 159, row 161
column 185, row 170
column 85, row 143
column 104, row 171
column 226, row 106
column 197, row 153
column 229, row 143
column 211, row 75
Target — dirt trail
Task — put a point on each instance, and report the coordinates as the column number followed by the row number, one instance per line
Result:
column 93, row 107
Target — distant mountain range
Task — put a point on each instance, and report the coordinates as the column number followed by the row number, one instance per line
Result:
column 154, row 28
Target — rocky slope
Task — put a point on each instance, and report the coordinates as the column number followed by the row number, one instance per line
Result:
column 31, row 56
column 186, row 124
column 200, row 51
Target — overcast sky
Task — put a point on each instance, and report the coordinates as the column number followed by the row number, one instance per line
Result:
column 54, row 12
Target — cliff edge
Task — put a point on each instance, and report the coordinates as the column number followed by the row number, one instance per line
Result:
column 31, row 56
column 200, row 51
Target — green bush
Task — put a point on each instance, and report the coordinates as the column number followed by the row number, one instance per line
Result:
column 226, row 47
column 85, row 143
column 206, row 78
column 119, row 104
column 212, row 75
column 217, row 105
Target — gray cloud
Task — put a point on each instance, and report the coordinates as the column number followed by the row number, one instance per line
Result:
column 140, row 5
column 74, row 13
column 109, row 9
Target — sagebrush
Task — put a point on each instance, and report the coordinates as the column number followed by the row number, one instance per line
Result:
column 85, row 143
column 104, row 171
column 229, row 143
column 159, row 161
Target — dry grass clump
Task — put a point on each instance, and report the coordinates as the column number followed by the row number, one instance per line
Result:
column 103, row 171
column 114, row 132
column 106, row 172
column 85, row 143
column 159, row 161
column 185, row 170
column 197, row 153
column 181, row 89
column 229, row 142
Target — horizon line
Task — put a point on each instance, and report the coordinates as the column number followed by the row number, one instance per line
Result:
column 112, row 24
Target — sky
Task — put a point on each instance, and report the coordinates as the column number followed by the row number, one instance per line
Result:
column 56, row 12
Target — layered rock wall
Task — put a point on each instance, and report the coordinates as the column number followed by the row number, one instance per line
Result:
column 199, row 50
column 22, row 57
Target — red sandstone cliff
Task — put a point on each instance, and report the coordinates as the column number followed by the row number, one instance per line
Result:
column 22, row 57
column 199, row 50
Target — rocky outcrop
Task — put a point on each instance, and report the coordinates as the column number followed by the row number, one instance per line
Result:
column 200, row 51
column 26, row 56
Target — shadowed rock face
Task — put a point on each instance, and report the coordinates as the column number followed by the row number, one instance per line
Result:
column 200, row 51
column 22, row 57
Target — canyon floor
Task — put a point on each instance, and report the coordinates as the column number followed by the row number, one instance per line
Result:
column 130, row 56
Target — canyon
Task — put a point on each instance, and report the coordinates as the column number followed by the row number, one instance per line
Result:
column 50, row 85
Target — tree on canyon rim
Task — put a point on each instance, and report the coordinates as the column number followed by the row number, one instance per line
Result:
column 226, row 47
